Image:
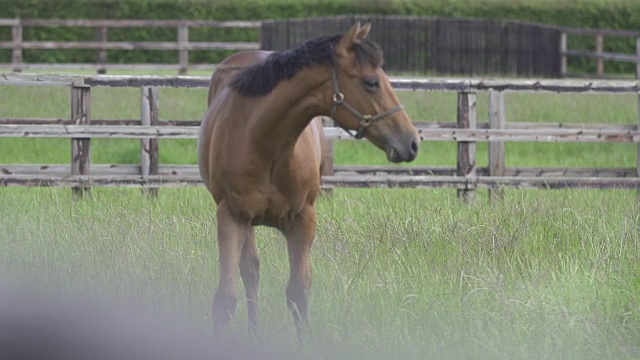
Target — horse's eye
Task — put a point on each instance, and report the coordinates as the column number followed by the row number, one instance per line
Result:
column 371, row 83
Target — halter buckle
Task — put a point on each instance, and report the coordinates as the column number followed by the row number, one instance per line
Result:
column 366, row 120
column 338, row 98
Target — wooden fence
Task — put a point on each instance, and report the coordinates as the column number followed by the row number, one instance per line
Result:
column 411, row 44
column 441, row 46
column 182, row 44
column 598, row 54
column 465, row 46
column 465, row 177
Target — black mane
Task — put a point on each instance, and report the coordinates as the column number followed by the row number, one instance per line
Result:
column 261, row 78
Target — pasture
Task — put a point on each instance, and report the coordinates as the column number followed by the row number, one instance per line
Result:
column 402, row 273
column 397, row 273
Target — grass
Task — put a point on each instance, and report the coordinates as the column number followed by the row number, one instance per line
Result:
column 397, row 273
column 402, row 273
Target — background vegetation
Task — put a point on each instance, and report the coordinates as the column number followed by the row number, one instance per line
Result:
column 616, row 14
column 612, row 14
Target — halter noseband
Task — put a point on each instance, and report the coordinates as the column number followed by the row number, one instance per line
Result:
column 364, row 119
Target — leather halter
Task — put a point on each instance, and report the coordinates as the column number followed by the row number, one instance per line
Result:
column 364, row 119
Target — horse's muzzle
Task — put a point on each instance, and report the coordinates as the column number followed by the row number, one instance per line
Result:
column 403, row 152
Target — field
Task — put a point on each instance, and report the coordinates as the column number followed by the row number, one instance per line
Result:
column 408, row 273
column 403, row 274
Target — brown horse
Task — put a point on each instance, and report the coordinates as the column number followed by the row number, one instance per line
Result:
column 261, row 152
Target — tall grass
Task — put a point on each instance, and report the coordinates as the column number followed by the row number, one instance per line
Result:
column 397, row 273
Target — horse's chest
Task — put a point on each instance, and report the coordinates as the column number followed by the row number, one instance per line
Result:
column 275, row 209
column 268, row 192
column 283, row 202
column 279, row 212
column 271, row 201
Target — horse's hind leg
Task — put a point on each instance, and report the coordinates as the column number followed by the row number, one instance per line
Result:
column 232, row 235
column 300, row 235
column 250, row 273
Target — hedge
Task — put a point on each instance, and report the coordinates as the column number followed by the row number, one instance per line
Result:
column 615, row 14
column 612, row 14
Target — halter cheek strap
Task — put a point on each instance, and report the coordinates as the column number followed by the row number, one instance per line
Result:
column 364, row 119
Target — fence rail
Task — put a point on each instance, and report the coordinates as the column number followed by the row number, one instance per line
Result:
column 415, row 44
column 630, row 135
column 182, row 45
column 466, row 177
column 598, row 54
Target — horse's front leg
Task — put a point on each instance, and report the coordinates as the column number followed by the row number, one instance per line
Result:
column 232, row 235
column 300, row 235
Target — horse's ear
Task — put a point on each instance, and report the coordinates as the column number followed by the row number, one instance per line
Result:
column 364, row 31
column 352, row 37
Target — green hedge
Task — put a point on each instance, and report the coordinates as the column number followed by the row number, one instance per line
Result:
column 614, row 14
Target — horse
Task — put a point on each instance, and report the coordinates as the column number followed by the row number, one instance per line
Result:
column 262, row 150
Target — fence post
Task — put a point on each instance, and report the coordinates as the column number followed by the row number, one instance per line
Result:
column 149, row 116
column 80, row 148
column 466, row 165
column 329, row 168
column 16, row 57
column 183, row 53
column 638, row 58
column 563, row 54
column 102, row 53
column 599, row 50
column 497, row 120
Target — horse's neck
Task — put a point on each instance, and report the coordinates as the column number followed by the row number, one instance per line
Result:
column 289, row 108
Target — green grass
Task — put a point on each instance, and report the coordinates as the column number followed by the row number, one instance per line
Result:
column 397, row 273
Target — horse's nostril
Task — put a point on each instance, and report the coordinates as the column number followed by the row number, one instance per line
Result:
column 414, row 146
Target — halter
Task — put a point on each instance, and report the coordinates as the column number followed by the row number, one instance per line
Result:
column 364, row 119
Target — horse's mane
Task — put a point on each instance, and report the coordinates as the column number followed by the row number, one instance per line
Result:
column 261, row 78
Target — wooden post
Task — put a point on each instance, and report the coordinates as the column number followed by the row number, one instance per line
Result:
column 183, row 54
column 16, row 58
column 466, row 165
column 599, row 59
column 638, row 58
column 80, row 148
column 149, row 116
column 102, row 53
column 329, row 168
column 563, row 54
column 497, row 120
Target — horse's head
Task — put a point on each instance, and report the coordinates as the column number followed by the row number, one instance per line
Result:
column 364, row 100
